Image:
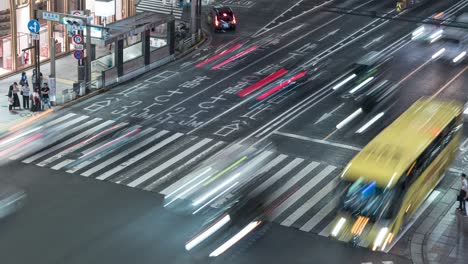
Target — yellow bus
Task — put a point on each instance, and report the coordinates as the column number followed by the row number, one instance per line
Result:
column 385, row 183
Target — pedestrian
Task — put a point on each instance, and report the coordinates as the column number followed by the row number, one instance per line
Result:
column 45, row 94
column 36, row 100
column 34, row 79
column 463, row 196
column 10, row 98
column 16, row 101
column 25, row 93
column 24, row 79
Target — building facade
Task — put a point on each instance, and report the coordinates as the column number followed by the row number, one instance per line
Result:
column 15, row 36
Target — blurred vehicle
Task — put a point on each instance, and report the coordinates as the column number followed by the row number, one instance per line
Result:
column 221, row 18
column 453, row 51
column 465, row 112
column 381, row 92
column 363, row 71
column 383, row 186
column 430, row 33
column 11, row 199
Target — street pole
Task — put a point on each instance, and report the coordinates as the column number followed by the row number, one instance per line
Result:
column 37, row 50
column 81, row 65
column 51, row 83
column 88, row 51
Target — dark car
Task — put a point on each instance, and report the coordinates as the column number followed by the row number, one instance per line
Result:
column 221, row 18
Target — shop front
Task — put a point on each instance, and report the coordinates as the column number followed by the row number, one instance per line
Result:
column 15, row 36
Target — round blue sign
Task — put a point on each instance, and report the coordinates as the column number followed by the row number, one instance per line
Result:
column 78, row 39
column 34, row 26
column 78, row 54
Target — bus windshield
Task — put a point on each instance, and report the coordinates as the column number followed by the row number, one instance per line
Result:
column 366, row 199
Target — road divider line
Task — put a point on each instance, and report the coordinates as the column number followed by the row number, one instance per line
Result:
column 339, row 145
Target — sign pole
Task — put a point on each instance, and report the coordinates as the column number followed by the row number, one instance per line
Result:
column 52, row 85
column 38, row 57
column 81, row 66
column 88, row 51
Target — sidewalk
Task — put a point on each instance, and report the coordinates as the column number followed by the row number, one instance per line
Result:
column 441, row 238
column 66, row 74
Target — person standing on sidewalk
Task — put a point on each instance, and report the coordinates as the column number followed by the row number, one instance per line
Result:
column 34, row 79
column 463, row 193
column 16, row 101
column 45, row 95
column 36, row 100
column 24, row 79
column 25, row 92
column 10, row 98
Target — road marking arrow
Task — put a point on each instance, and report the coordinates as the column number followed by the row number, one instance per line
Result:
column 327, row 115
column 330, row 34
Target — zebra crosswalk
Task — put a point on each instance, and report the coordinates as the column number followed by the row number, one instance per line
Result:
column 160, row 6
column 299, row 191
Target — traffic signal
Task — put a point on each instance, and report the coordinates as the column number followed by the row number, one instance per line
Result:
column 73, row 21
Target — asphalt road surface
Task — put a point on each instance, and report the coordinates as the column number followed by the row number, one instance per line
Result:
column 97, row 172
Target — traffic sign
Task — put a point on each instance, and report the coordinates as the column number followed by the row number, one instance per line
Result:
column 34, row 36
column 51, row 16
column 77, row 12
column 78, row 54
column 78, row 39
column 34, row 26
column 79, row 47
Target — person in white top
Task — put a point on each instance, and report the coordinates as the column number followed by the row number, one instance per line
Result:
column 463, row 196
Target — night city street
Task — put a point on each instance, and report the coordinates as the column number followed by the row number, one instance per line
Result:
column 238, row 149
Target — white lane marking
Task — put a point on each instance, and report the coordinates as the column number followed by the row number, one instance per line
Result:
column 339, row 145
column 125, row 153
column 329, row 34
column 290, row 166
column 138, row 157
column 69, row 150
column 324, row 211
column 328, row 114
column 291, row 182
column 302, row 191
column 419, row 212
column 55, row 137
column 167, row 164
column 349, row 118
column 291, row 30
column 62, row 164
column 69, row 141
column 370, row 123
column 264, row 29
column 182, row 182
column 373, row 41
column 89, row 161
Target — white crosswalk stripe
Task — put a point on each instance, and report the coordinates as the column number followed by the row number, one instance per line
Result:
column 138, row 157
column 326, row 210
column 71, row 140
column 302, row 191
column 168, row 163
column 291, row 182
column 122, row 154
column 160, row 6
column 78, row 145
column 308, row 204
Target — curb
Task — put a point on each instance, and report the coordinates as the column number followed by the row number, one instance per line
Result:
column 87, row 96
column 202, row 41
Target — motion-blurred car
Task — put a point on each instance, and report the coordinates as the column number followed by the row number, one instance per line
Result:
column 221, row 18
column 380, row 93
column 453, row 51
column 465, row 112
column 363, row 71
column 431, row 33
column 11, row 199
